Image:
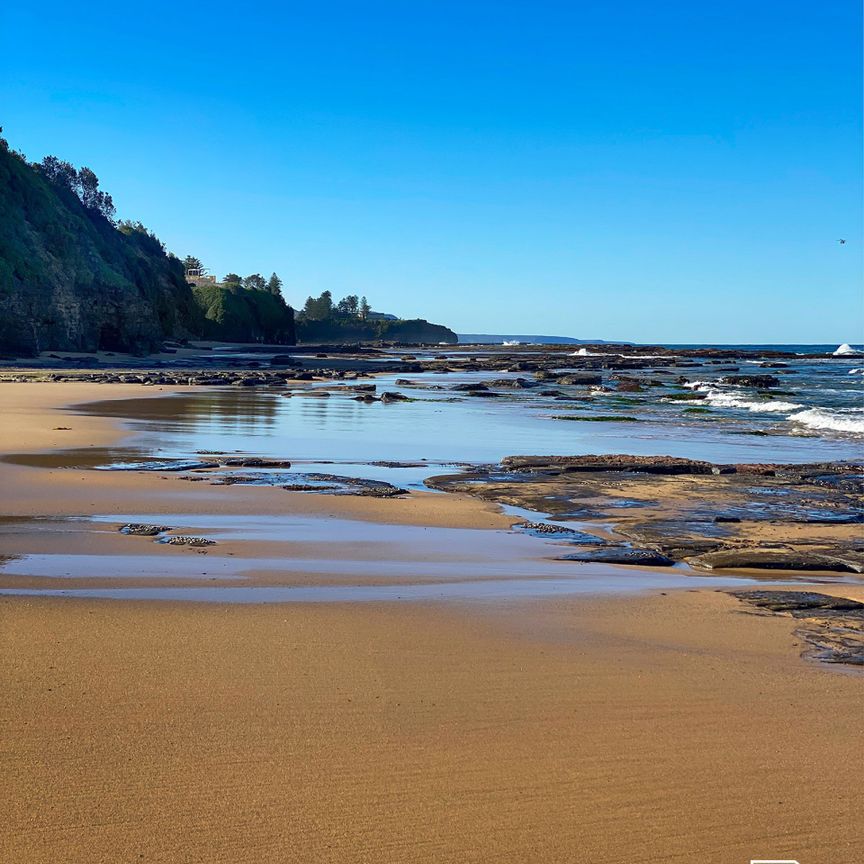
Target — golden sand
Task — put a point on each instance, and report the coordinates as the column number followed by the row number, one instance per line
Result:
column 656, row 728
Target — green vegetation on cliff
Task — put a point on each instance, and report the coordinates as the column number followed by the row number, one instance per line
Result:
column 336, row 330
column 71, row 279
column 351, row 320
column 236, row 314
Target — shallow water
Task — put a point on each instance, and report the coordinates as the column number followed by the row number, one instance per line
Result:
column 262, row 559
column 442, row 428
column 436, row 432
column 491, row 590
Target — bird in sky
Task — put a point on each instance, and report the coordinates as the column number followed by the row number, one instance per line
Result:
column 842, row 242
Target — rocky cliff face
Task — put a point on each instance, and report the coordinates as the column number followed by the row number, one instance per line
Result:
column 71, row 280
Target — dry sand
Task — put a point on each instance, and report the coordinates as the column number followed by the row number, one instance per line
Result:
column 656, row 728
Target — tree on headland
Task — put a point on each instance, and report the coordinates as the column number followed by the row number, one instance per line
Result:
column 319, row 308
column 232, row 279
column 274, row 285
column 255, row 282
column 92, row 197
column 190, row 262
column 322, row 308
column 59, row 172
column 349, row 305
column 84, row 183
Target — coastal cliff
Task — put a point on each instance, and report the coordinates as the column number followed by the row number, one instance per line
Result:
column 74, row 279
column 70, row 279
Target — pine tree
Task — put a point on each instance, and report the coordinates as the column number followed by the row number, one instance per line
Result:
column 274, row 285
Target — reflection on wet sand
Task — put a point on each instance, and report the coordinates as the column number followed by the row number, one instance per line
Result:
column 330, row 559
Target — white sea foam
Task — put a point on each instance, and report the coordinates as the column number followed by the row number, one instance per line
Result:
column 837, row 420
column 726, row 399
column 846, row 350
column 719, row 399
column 584, row 352
column 856, row 371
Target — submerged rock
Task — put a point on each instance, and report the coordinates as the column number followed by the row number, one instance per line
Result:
column 597, row 418
column 571, row 535
column 165, row 465
column 254, row 462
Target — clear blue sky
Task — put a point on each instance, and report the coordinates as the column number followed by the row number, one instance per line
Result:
column 663, row 170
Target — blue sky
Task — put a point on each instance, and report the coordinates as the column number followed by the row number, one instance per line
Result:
column 653, row 171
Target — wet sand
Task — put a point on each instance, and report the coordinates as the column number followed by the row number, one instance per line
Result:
column 656, row 727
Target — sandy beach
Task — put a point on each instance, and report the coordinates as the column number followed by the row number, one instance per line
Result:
column 658, row 727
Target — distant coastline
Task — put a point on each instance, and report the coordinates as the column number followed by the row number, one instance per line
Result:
column 499, row 338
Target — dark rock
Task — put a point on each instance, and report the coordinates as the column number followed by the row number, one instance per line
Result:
column 571, row 535
column 621, row 555
column 751, row 380
column 139, row 530
column 691, row 396
column 796, row 601
column 254, row 462
column 184, row 540
column 471, row 387
column 511, row 383
column 597, row 418
column 639, row 464
column 579, row 379
column 165, row 465
column 832, row 627
column 777, row 559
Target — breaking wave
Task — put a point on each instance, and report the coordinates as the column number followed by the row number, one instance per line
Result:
column 837, row 420
column 846, row 350
column 719, row 399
